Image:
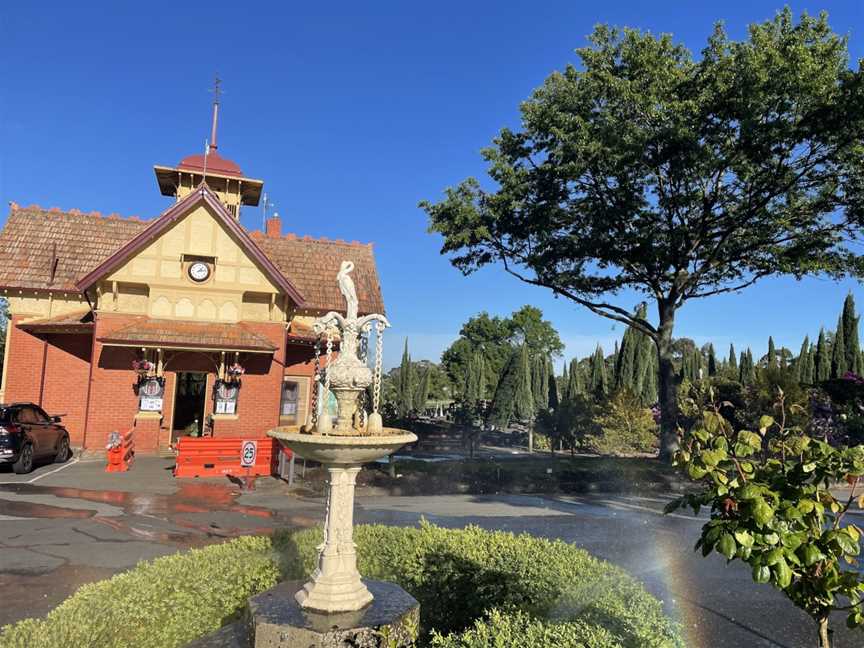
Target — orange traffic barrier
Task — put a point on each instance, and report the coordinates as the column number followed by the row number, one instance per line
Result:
column 217, row 457
column 121, row 451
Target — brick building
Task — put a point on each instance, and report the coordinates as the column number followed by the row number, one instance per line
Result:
column 120, row 322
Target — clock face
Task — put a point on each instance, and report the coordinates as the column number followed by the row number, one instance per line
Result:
column 199, row 271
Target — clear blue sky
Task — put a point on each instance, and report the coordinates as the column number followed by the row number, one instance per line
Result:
column 351, row 113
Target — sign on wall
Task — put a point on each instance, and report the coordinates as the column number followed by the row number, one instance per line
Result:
column 248, row 453
column 151, row 392
column 226, row 397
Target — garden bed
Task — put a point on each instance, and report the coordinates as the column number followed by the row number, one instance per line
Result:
column 476, row 588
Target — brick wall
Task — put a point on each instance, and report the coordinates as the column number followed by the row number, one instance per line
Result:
column 113, row 401
column 51, row 371
column 24, row 373
column 64, row 390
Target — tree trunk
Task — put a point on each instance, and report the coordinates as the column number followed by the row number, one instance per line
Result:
column 668, row 390
column 824, row 632
column 530, row 437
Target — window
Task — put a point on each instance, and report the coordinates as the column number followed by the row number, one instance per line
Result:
column 290, row 398
column 26, row 415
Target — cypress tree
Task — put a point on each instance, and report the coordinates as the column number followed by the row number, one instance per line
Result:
column 565, row 383
column 630, row 355
column 524, row 398
column 503, row 403
column 406, row 382
column 732, row 363
column 712, row 361
column 772, row 354
column 822, row 360
column 801, row 371
column 850, row 335
column 598, row 383
column 838, row 351
column 421, row 395
column 577, row 382
column 540, row 382
column 648, row 378
column 696, row 365
column 554, row 398
column 742, row 368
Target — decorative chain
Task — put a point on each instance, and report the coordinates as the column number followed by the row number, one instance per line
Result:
column 376, row 376
column 327, row 366
column 363, row 351
column 317, row 382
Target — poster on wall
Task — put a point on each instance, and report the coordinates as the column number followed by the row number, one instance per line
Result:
column 150, row 394
column 226, row 397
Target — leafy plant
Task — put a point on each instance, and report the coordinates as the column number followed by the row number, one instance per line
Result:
column 624, row 426
column 771, row 505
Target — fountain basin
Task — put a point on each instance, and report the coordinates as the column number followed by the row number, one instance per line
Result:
column 343, row 450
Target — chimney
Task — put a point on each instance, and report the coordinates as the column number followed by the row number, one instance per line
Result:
column 274, row 226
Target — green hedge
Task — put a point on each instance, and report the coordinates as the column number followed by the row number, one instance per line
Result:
column 476, row 588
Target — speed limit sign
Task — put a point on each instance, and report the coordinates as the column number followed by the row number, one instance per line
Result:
column 248, row 453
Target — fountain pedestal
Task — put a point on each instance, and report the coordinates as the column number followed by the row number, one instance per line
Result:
column 335, row 585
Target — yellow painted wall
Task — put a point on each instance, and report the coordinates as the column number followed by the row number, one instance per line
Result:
column 156, row 283
column 33, row 304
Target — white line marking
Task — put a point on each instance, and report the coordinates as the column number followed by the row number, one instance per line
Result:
column 45, row 474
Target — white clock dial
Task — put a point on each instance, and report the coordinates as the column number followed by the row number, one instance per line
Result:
column 199, row 271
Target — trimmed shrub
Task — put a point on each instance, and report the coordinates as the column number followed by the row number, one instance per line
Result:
column 476, row 588
column 167, row 602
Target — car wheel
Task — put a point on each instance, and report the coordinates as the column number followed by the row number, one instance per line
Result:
column 25, row 460
column 63, row 452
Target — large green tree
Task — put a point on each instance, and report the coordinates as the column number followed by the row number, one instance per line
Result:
column 494, row 338
column 647, row 169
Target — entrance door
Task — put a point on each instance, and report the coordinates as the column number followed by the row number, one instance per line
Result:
column 189, row 399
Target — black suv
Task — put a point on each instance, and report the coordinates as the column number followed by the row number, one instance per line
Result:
column 27, row 433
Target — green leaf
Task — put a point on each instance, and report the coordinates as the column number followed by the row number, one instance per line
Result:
column 744, row 538
column 847, row 544
column 761, row 573
column 726, row 546
column 695, row 472
column 765, row 422
column 749, row 492
column 762, row 512
column 782, row 574
column 772, row 557
column 812, row 555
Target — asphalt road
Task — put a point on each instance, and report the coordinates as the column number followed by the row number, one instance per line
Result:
column 59, row 529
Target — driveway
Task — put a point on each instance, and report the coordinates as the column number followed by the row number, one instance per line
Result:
column 64, row 528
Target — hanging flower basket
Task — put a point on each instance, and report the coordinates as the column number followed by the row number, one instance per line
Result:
column 234, row 372
column 143, row 368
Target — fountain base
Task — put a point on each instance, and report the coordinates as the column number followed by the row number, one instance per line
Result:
column 276, row 620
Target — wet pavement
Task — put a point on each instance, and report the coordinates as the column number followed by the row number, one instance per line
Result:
column 61, row 529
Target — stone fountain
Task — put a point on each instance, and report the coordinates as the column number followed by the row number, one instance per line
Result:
column 336, row 598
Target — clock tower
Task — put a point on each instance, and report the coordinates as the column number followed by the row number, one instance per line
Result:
column 222, row 175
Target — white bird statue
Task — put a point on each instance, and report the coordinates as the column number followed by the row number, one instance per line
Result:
column 346, row 287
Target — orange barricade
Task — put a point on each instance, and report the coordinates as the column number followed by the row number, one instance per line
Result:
column 209, row 457
column 121, row 451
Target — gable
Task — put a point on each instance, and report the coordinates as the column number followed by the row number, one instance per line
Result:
column 198, row 233
column 201, row 196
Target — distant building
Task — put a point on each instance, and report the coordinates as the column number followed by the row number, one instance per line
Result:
column 120, row 322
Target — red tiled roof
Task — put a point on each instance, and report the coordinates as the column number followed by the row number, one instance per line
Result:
column 215, row 164
column 75, row 321
column 198, row 335
column 36, row 241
